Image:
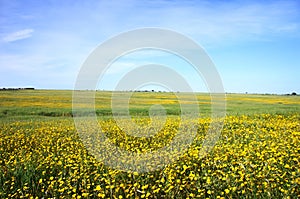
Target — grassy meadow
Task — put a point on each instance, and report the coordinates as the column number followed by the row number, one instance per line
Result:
column 256, row 156
column 59, row 103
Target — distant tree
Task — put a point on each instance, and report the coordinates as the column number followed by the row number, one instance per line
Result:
column 294, row 93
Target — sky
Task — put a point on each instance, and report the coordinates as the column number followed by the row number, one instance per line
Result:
column 255, row 45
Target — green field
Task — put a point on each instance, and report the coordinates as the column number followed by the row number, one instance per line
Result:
column 42, row 154
column 59, row 103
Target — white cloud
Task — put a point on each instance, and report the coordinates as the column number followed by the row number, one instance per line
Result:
column 21, row 34
column 120, row 67
column 240, row 21
column 41, row 71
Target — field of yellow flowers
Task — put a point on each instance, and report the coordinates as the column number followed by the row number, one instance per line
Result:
column 257, row 156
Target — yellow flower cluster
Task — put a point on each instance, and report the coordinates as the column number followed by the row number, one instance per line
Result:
column 256, row 157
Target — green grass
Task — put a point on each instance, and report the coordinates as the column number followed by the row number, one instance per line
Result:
column 58, row 103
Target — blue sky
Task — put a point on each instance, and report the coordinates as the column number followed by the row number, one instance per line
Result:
column 255, row 45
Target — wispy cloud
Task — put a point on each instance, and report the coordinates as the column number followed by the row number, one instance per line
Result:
column 233, row 21
column 21, row 34
column 120, row 67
